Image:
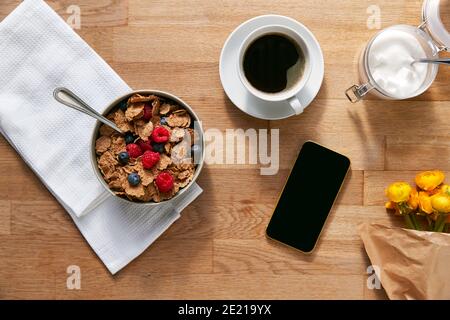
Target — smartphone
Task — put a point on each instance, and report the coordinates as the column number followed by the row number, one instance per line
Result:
column 308, row 196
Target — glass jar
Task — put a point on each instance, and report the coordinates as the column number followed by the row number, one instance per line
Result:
column 387, row 66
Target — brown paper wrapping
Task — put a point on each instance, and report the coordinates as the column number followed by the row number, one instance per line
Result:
column 413, row 264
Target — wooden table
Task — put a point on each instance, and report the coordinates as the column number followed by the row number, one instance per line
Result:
column 218, row 248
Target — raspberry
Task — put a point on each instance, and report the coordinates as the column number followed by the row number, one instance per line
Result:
column 147, row 112
column 164, row 182
column 149, row 159
column 134, row 150
column 144, row 145
column 160, row 135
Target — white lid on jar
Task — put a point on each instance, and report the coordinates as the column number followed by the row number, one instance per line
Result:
column 436, row 15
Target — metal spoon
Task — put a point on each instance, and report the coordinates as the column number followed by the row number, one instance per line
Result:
column 445, row 61
column 70, row 99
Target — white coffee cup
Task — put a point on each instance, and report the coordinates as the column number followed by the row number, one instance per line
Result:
column 290, row 95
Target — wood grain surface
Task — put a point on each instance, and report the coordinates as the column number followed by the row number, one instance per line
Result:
column 218, row 248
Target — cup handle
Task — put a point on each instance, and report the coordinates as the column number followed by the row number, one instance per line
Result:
column 296, row 105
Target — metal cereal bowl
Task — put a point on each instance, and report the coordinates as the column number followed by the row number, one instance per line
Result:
column 200, row 144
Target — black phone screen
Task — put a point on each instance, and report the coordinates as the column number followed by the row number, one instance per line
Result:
column 308, row 197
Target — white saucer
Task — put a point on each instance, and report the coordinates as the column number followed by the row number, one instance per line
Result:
column 236, row 91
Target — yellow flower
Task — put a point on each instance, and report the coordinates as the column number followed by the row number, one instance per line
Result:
column 398, row 192
column 390, row 205
column 441, row 203
column 425, row 202
column 393, row 207
column 445, row 189
column 429, row 180
column 413, row 201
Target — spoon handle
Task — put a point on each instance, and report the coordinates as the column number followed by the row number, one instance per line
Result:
column 70, row 99
column 445, row 61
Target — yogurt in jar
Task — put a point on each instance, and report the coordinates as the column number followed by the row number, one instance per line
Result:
column 391, row 63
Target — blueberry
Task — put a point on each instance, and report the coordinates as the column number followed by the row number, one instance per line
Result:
column 123, row 105
column 129, row 138
column 158, row 147
column 134, row 179
column 123, row 157
column 163, row 121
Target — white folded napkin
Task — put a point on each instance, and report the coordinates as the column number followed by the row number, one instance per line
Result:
column 39, row 52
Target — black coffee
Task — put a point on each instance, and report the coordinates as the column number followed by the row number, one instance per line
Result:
column 273, row 63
